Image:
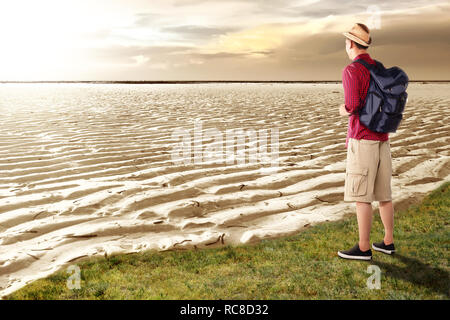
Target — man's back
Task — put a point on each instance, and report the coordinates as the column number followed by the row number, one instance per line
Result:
column 355, row 79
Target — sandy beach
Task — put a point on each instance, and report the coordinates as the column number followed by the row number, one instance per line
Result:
column 86, row 169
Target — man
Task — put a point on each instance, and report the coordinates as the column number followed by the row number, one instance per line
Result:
column 369, row 165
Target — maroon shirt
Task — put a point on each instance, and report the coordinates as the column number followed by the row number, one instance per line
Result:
column 355, row 79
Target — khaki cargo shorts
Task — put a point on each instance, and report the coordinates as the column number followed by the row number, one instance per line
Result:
column 369, row 171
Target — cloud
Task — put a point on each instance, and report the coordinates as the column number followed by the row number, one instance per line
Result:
column 140, row 59
column 199, row 32
column 115, row 56
column 324, row 8
column 218, row 55
column 296, row 55
column 409, row 32
column 146, row 19
column 258, row 39
column 419, row 48
column 313, row 8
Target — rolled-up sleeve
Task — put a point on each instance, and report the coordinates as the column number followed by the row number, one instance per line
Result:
column 351, row 88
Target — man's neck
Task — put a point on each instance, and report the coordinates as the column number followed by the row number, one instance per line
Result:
column 357, row 53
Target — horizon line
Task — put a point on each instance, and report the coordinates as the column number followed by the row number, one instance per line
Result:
column 187, row 81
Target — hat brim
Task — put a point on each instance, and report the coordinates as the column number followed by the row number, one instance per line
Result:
column 356, row 39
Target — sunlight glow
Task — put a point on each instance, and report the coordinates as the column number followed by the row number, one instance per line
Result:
column 34, row 38
column 42, row 38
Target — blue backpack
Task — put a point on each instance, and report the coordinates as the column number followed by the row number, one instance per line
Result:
column 386, row 98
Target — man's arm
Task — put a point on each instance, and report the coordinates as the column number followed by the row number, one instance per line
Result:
column 351, row 89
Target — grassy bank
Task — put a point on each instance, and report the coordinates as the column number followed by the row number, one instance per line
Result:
column 304, row 266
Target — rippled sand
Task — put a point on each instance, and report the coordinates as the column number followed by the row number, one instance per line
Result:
column 86, row 169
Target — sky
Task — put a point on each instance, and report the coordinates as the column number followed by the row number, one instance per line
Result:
column 267, row 40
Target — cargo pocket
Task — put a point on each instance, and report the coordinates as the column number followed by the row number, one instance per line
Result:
column 356, row 184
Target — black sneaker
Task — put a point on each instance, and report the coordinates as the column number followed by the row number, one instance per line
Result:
column 356, row 253
column 380, row 246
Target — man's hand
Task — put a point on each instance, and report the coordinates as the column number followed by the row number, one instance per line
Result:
column 342, row 110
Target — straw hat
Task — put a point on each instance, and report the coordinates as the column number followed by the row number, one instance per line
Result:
column 360, row 34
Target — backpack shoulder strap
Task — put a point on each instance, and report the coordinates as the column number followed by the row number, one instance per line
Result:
column 364, row 63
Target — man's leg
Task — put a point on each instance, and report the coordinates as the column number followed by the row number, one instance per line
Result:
column 361, row 169
column 387, row 217
column 383, row 192
column 364, row 217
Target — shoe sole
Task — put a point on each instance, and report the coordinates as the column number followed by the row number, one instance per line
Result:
column 383, row 250
column 346, row 256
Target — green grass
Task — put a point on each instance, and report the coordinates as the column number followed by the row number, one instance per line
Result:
column 304, row 266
